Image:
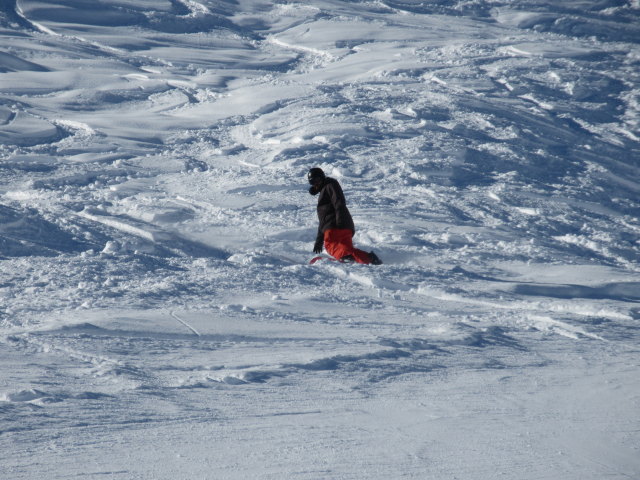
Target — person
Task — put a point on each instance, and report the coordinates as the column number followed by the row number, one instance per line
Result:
column 336, row 227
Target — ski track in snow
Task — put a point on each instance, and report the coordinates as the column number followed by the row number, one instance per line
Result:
column 195, row 332
column 158, row 315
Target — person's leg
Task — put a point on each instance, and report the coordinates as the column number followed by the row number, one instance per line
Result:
column 339, row 244
column 361, row 256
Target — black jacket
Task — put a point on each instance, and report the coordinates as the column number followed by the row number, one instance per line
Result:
column 332, row 208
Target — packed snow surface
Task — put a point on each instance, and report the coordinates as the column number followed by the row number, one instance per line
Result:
column 158, row 315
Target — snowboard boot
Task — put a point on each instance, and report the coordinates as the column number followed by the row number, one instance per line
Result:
column 348, row 259
column 373, row 258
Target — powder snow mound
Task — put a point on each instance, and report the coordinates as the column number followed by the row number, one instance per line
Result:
column 609, row 20
column 177, row 17
column 25, row 233
column 26, row 130
column 23, row 395
column 12, row 63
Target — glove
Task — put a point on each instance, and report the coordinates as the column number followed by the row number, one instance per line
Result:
column 317, row 248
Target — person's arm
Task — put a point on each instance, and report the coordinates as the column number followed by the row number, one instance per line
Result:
column 339, row 204
column 317, row 246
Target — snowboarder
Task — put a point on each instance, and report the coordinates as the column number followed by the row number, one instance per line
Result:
column 336, row 228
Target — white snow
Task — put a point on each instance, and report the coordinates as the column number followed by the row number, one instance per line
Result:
column 158, row 315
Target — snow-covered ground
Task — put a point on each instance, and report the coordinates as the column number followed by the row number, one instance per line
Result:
column 158, row 315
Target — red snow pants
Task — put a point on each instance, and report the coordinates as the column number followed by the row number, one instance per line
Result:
column 338, row 243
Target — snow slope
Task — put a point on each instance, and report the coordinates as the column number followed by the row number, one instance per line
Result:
column 159, row 320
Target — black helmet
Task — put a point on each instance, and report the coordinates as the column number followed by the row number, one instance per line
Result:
column 315, row 176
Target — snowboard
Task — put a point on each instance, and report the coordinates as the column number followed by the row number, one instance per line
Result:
column 329, row 259
column 321, row 257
